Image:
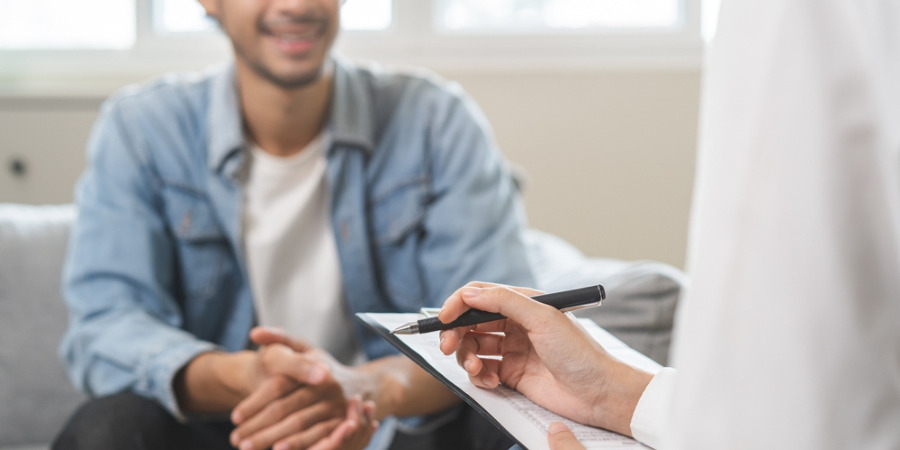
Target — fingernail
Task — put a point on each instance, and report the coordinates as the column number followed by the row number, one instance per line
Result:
column 442, row 338
column 470, row 292
column 494, row 379
column 246, row 445
column 236, row 417
column 234, row 439
column 468, row 365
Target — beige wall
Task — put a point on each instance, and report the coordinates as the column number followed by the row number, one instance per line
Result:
column 50, row 135
column 609, row 154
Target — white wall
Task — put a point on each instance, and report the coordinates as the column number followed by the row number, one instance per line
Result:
column 609, row 153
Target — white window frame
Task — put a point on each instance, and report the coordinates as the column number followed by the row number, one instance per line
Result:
column 411, row 40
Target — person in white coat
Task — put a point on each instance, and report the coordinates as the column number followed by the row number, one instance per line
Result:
column 788, row 335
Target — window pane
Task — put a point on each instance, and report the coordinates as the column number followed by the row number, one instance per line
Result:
column 366, row 15
column 67, row 24
column 534, row 15
column 179, row 16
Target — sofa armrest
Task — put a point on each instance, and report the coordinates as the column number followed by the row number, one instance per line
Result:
column 35, row 395
column 641, row 295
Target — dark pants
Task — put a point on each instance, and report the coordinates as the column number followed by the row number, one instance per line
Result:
column 129, row 421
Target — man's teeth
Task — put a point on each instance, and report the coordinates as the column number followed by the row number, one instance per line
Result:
column 294, row 37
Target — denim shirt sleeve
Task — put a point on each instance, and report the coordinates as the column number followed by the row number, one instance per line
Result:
column 475, row 219
column 123, row 332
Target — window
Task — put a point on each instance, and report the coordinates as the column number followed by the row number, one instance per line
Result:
column 180, row 16
column 556, row 15
column 106, row 43
column 52, row 24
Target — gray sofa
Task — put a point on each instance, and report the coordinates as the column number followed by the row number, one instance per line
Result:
column 36, row 397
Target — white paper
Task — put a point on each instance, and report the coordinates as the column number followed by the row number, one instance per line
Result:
column 523, row 419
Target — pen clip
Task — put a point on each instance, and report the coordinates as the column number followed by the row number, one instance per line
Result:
column 429, row 312
column 583, row 306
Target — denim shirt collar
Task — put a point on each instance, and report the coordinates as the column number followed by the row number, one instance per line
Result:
column 225, row 128
column 350, row 122
column 351, row 109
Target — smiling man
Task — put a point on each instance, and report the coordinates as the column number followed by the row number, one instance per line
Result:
column 288, row 189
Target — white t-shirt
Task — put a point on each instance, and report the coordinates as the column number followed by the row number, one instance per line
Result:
column 292, row 257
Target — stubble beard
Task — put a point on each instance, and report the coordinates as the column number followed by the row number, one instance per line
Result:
column 294, row 82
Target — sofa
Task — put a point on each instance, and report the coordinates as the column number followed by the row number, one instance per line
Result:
column 36, row 397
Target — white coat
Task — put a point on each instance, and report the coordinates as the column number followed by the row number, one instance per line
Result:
column 789, row 336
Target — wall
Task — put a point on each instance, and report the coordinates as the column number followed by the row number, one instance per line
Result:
column 609, row 153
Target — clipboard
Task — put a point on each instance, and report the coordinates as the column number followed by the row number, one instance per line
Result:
column 519, row 418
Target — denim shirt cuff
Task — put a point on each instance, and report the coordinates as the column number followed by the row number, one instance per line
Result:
column 163, row 368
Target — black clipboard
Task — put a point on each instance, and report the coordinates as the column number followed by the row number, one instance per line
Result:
column 417, row 358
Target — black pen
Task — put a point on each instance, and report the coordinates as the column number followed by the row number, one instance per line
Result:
column 564, row 301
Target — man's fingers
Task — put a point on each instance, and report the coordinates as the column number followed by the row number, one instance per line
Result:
column 310, row 438
column 560, row 437
column 355, row 431
column 303, row 367
column 271, row 390
column 347, row 437
column 272, row 335
column 301, row 421
column 335, row 440
column 369, row 410
column 272, row 412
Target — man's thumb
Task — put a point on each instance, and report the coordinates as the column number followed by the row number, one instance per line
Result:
column 560, row 437
column 271, row 335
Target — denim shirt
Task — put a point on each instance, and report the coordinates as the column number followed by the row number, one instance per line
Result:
column 422, row 203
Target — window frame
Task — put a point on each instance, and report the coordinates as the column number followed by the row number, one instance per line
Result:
column 411, row 40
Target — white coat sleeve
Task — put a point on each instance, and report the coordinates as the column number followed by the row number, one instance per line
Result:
column 651, row 415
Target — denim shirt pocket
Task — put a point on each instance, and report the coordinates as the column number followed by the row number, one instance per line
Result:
column 202, row 249
column 397, row 215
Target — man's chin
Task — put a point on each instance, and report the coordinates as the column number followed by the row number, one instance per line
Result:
column 290, row 81
column 293, row 82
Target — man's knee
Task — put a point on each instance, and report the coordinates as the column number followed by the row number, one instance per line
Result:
column 119, row 421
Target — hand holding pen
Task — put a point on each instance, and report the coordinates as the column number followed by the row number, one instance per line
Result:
column 570, row 300
column 542, row 353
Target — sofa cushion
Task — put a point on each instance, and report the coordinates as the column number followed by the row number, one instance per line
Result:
column 35, row 396
column 641, row 295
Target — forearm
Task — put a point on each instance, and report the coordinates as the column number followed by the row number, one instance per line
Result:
column 401, row 388
column 213, row 382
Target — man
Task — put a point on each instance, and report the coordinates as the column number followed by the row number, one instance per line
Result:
column 289, row 190
column 788, row 336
